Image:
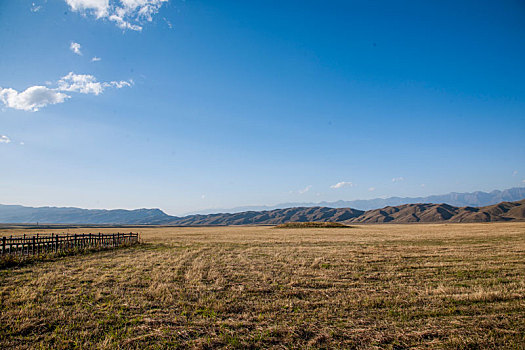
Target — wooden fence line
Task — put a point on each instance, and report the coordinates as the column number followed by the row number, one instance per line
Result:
column 54, row 243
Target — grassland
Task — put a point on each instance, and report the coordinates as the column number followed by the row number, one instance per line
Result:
column 372, row 287
column 313, row 224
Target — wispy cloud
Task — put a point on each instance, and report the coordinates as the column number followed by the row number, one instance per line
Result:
column 342, row 184
column 99, row 8
column 96, row 59
column 170, row 26
column 87, row 84
column 514, row 173
column 35, row 7
column 75, row 47
column 36, row 97
column 398, row 179
column 127, row 14
column 372, row 189
column 4, row 139
column 304, row 190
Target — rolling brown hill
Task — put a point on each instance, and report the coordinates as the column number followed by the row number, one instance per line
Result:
column 271, row 217
column 407, row 213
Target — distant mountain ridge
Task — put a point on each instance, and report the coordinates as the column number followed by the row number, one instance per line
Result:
column 472, row 199
column 56, row 215
column 404, row 213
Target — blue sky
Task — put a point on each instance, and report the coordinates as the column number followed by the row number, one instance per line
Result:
column 186, row 105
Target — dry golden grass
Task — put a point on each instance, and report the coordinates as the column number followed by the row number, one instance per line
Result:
column 373, row 287
column 313, row 224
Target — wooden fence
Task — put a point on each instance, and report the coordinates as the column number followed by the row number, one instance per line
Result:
column 55, row 243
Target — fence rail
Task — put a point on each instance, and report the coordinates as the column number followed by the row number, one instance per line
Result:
column 55, row 243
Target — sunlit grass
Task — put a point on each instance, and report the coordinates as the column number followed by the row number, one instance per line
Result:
column 313, row 224
column 378, row 286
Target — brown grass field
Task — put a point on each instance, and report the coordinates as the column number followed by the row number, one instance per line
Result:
column 456, row 286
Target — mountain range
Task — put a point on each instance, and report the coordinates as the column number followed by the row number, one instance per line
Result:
column 403, row 213
column 406, row 213
column 54, row 215
column 472, row 199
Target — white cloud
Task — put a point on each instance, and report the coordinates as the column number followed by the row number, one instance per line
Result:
column 514, row 173
column 87, row 84
column 397, row 179
column 75, row 47
column 96, row 59
column 170, row 26
column 35, row 97
column 22, row 143
column 127, row 14
column 306, row 189
column 422, row 185
column 342, row 184
column 118, row 84
column 523, row 181
column 144, row 8
column 32, row 98
column 35, row 7
column 371, row 189
column 4, row 139
column 83, row 83
column 203, row 196
column 97, row 7
column 121, row 23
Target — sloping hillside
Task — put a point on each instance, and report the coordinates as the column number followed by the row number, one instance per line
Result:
column 271, row 217
column 55, row 215
column 505, row 211
column 407, row 213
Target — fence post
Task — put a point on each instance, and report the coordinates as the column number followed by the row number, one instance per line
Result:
column 56, row 244
column 34, row 246
column 3, row 245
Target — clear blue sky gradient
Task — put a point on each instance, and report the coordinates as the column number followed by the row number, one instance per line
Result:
column 253, row 102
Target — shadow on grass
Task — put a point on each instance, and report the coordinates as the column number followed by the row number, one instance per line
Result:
column 9, row 260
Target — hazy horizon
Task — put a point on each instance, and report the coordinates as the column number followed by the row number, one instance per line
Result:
column 189, row 105
column 265, row 206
